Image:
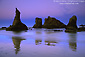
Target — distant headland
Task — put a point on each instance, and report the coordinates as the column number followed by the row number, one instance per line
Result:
column 49, row 23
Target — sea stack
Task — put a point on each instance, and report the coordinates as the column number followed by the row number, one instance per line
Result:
column 17, row 24
column 38, row 22
column 72, row 27
column 51, row 23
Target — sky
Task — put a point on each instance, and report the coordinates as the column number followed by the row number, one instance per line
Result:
column 30, row 9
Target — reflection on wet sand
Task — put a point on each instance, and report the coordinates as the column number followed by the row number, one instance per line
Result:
column 72, row 42
column 37, row 42
column 38, row 39
column 50, row 40
column 47, row 42
column 17, row 42
column 50, row 43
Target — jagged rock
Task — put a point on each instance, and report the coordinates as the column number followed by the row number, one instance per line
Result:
column 72, row 22
column 38, row 22
column 17, row 24
column 53, row 23
column 72, row 27
column 17, row 17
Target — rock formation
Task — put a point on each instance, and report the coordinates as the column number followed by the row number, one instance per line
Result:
column 17, row 24
column 53, row 23
column 38, row 22
column 72, row 27
column 81, row 28
column 3, row 28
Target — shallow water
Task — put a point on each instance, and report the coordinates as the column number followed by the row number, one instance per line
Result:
column 41, row 43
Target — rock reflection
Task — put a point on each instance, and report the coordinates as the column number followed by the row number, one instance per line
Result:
column 50, row 38
column 37, row 42
column 50, row 43
column 38, row 38
column 17, row 42
column 72, row 41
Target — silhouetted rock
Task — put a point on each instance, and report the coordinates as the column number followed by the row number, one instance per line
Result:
column 81, row 28
column 38, row 22
column 3, row 28
column 81, row 25
column 17, row 24
column 53, row 23
column 58, row 30
column 54, row 30
column 72, row 27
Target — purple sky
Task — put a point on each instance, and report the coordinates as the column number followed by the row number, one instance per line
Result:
column 40, row 8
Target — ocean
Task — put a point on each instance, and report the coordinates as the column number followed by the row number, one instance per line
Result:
column 42, row 43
